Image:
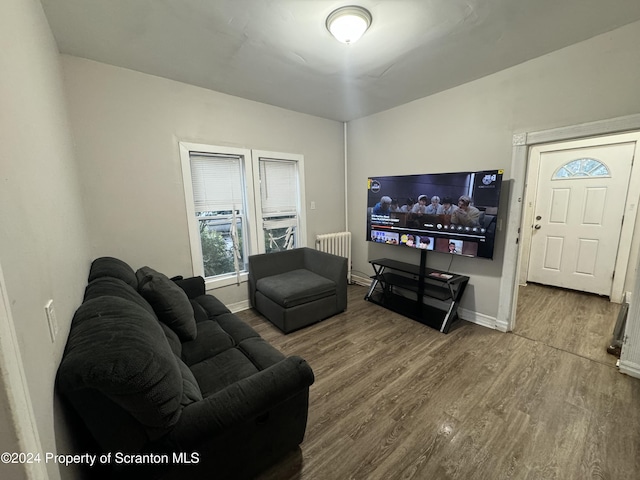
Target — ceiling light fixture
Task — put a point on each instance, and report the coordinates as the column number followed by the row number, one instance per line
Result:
column 348, row 24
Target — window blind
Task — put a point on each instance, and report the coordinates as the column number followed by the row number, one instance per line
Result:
column 217, row 182
column 278, row 186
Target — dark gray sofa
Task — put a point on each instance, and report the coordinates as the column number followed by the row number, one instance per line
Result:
column 298, row 287
column 156, row 366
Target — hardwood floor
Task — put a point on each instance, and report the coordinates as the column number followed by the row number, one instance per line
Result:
column 394, row 399
column 577, row 322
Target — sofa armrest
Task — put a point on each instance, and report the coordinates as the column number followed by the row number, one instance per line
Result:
column 242, row 401
column 332, row 267
column 192, row 286
column 329, row 266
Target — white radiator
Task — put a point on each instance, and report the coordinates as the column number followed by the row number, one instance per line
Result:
column 338, row 244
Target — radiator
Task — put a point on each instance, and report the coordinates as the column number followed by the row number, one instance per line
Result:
column 338, row 244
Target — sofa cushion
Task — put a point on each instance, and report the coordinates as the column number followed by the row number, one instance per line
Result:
column 296, row 287
column 212, row 306
column 190, row 388
column 171, row 304
column 118, row 348
column 199, row 313
column 236, row 328
column 173, row 339
column 192, row 286
column 210, row 341
column 218, row 372
column 117, row 288
column 113, row 267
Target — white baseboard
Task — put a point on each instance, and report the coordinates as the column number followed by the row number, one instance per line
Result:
column 239, row 306
column 502, row 325
column 362, row 281
column 630, row 368
column 482, row 319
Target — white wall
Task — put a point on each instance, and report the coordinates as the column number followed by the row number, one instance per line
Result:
column 127, row 127
column 43, row 247
column 471, row 127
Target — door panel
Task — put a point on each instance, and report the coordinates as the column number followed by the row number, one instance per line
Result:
column 580, row 201
column 553, row 253
column 559, row 206
column 593, row 210
column 587, row 253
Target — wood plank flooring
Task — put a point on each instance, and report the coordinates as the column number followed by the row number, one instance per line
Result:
column 394, row 399
column 577, row 322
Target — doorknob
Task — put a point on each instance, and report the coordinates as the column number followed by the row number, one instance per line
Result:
column 537, row 226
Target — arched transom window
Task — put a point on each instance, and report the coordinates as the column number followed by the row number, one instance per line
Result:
column 582, row 168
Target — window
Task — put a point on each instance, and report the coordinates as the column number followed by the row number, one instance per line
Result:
column 240, row 202
column 220, row 209
column 581, row 168
column 279, row 196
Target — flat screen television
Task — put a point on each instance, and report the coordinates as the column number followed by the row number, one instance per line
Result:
column 454, row 213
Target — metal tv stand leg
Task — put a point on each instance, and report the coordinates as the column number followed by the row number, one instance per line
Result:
column 375, row 281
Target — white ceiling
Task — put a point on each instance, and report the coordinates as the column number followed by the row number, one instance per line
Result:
column 279, row 51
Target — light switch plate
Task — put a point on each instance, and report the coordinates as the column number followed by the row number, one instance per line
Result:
column 51, row 319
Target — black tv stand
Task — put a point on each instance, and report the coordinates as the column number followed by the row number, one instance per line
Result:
column 423, row 294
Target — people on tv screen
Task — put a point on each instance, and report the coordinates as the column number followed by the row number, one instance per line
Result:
column 466, row 214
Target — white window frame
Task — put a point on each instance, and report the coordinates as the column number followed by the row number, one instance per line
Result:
column 186, row 149
column 254, row 238
column 301, row 227
column 582, row 174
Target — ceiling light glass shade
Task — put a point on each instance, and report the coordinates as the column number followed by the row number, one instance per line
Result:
column 348, row 24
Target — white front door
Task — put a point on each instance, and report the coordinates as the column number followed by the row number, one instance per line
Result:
column 580, row 202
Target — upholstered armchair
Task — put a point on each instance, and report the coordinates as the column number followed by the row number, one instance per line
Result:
column 298, row 287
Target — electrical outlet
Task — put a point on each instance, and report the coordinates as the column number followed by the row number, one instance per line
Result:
column 313, row 205
column 52, row 320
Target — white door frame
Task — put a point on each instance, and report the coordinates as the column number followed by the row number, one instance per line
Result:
column 508, row 296
column 18, row 413
column 626, row 232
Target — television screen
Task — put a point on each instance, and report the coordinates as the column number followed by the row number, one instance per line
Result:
column 453, row 213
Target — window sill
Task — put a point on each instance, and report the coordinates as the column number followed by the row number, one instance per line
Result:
column 224, row 281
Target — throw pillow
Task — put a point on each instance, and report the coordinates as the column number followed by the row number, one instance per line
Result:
column 171, row 304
